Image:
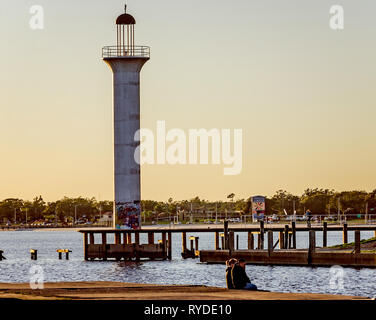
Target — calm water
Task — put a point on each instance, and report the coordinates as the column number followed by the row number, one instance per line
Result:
column 16, row 246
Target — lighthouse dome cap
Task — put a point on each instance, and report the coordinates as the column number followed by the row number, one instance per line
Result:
column 125, row 18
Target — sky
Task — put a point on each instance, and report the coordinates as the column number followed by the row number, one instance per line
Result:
column 302, row 93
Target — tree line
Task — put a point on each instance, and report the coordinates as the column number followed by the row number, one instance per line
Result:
column 318, row 201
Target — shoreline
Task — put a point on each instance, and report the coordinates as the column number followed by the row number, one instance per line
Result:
column 182, row 227
column 106, row 290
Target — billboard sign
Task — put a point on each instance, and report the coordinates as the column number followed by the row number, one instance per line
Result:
column 258, row 207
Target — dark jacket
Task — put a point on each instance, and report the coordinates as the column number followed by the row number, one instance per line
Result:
column 228, row 278
column 239, row 277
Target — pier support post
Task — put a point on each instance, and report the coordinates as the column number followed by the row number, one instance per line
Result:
column 225, row 234
column 164, row 243
column 281, row 240
column 117, row 238
column 237, row 242
column 357, row 241
column 91, row 237
column 286, row 237
column 325, row 234
column 251, row 241
column 169, row 246
column 270, row 242
column 104, row 245
column 345, row 238
column 231, row 241
column 129, row 238
column 312, row 245
column 85, row 246
column 293, row 227
column 196, row 243
column 191, row 239
column 137, row 241
column 151, row 237
column 222, row 241
column 183, row 242
column 216, row 239
column 125, row 239
column 261, row 235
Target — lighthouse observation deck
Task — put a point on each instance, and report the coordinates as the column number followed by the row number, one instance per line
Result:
column 126, row 51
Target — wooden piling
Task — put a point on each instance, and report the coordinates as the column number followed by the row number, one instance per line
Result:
column 270, row 242
column 129, row 238
column 225, row 234
column 125, row 238
column 231, row 241
column 325, row 234
column 137, row 241
column 290, row 240
column 237, row 242
column 34, row 254
column 286, row 237
column 104, row 245
column 293, row 227
column 164, row 243
column 216, row 240
column 345, row 238
column 261, row 235
column 117, row 238
column 91, row 237
column 357, row 241
column 150, row 237
column 183, row 242
column 196, row 243
column 222, row 241
column 85, row 247
column 251, row 241
column 281, row 240
column 258, row 240
column 312, row 245
column 169, row 246
column 191, row 239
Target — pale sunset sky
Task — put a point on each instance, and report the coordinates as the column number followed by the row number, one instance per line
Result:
column 303, row 94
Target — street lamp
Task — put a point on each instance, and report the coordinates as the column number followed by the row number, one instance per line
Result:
column 75, row 213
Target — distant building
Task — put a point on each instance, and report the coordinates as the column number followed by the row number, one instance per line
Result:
column 106, row 219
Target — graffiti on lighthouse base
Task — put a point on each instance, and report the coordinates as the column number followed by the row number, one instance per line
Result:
column 128, row 215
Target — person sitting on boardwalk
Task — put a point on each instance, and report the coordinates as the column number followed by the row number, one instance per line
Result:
column 229, row 265
column 239, row 277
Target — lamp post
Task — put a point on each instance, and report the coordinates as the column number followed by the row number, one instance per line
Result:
column 75, row 213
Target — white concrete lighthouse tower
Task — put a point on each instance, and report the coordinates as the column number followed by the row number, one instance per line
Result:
column 126, row 61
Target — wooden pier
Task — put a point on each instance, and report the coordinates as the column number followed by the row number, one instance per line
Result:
column 261, row 249
column 126, row 245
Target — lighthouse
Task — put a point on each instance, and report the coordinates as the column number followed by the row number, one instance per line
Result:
column 126, row 61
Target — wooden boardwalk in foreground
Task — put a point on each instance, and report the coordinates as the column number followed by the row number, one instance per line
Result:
column 134, row 291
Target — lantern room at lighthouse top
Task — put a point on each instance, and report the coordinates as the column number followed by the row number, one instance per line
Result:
column 125, row 40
